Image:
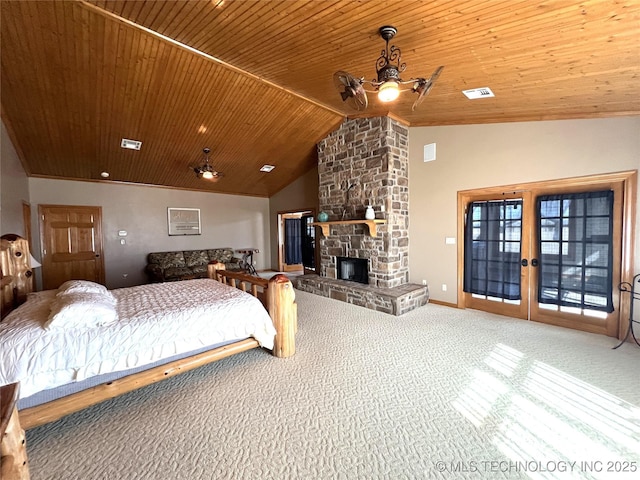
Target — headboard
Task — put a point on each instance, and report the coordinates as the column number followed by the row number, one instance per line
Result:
column 15, row 271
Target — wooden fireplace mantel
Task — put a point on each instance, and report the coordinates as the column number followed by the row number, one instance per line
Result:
column 372, row 224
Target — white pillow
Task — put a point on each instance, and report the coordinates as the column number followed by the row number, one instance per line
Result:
column 82, row 286
column 74, row 310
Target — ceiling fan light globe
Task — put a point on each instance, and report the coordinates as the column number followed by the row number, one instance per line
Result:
column 207, row 174
column 388, row 91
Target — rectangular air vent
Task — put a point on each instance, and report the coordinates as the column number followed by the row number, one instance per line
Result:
column 430, row 152
column 483, row 92
column 131, row 144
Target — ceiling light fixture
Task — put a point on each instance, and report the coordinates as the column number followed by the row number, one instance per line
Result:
column 267, row 168
column 206, row 170
column 388, row 91
column 388, row 85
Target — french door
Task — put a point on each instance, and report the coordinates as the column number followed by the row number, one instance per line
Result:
column 497, row 248
column 553, row 252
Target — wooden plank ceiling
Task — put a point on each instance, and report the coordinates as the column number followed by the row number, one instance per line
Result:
column 256, row 84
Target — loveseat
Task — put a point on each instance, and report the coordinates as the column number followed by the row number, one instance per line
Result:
column 186, row 264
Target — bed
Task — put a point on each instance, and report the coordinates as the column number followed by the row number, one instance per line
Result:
column 87, row 344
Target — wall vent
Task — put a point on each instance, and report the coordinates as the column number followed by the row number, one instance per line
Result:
column 131, row 144
column 483, row 92
column 430, row 152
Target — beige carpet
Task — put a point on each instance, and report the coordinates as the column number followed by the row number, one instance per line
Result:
column 436, row 393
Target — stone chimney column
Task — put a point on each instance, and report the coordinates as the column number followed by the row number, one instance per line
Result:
column 366, row 161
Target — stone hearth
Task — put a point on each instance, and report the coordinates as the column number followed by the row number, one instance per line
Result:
column 366, row 162
column 396, row 301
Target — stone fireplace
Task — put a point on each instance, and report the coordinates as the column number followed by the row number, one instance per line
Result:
column 365, row 162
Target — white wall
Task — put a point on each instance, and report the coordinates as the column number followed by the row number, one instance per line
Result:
column 14, row 187
column 477, row 156
column 227, row 221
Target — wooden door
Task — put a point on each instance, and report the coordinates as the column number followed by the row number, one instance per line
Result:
column 292, row 247
column 283, row 241
column 576, row 270
column 71, row 239
column 507, row 235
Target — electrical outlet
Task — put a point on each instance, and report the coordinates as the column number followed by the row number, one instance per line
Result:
column 424, row 282
column 444, row 287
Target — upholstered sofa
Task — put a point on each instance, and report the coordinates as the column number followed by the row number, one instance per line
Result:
column 186, row 264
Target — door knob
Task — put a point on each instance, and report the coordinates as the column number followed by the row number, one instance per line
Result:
column 534, row 262
column 524, row 262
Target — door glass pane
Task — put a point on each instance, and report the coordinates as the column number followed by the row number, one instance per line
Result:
column 308, row 243
column 575, row 244
column 493, row 234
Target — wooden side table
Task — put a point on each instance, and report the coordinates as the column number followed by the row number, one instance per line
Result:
column 13, row 447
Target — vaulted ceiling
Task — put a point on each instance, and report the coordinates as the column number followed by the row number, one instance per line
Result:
column 253, row 79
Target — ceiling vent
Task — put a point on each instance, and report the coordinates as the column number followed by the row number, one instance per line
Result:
column 483, row 92
column 131, row 144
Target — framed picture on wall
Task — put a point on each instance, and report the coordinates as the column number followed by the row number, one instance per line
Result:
column 184, row 221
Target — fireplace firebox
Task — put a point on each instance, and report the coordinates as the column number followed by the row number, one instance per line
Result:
column 353, row 269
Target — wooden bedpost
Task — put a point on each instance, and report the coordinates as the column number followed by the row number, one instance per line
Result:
column 277, row 296
column 13, row 451
column 213, row 267
column 280, row 300
column 16, row 265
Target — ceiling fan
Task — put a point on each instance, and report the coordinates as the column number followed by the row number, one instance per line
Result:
column 206, row 170
column 388, row 85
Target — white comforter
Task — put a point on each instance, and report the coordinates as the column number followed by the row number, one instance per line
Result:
column 154, row 322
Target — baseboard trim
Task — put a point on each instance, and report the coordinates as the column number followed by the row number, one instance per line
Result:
column 444, row 304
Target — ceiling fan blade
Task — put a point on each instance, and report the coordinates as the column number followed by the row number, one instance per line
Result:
column 342, row 79
column 424, row 86
column 345, row 94
column 436, row 74
column 351, row 90
column 359, row 100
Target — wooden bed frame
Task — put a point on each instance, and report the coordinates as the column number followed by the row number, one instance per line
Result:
column 276, row 294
